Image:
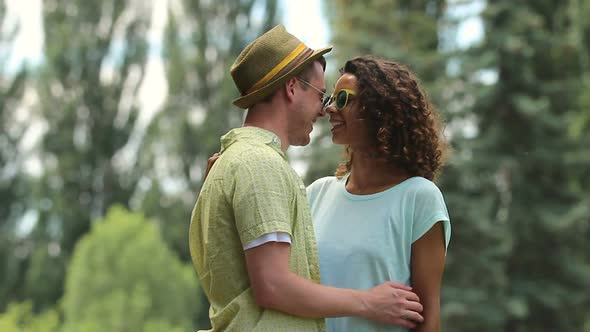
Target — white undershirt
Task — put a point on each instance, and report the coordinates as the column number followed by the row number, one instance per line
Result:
column 270, row 237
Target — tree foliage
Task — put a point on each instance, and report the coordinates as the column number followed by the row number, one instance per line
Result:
column 123, row 277
column 19, row 317
column 93, row 59
column 201, row 41
column 515, row 106
column 515, row 185
column 14, row 183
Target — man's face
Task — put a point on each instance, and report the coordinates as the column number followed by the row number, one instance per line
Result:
column 308, row 107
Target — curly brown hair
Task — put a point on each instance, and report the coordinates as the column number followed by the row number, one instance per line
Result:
column 406, row 127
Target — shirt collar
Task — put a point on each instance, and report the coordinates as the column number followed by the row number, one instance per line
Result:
column 252, row 134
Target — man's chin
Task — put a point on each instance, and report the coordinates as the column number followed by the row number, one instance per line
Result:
column 302, row 142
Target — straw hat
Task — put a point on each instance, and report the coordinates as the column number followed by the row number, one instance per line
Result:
column 268, row 62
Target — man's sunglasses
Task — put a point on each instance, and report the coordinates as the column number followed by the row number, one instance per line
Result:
column 323, row 96
column 340, row 97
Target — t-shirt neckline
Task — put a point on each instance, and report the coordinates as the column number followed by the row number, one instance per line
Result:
column 367, row 197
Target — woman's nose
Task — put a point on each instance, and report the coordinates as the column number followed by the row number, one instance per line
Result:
column 330, row 109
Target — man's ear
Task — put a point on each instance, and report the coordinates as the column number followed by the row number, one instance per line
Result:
column 290, row 88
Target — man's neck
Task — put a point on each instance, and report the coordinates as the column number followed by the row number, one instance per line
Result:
column 270, row 118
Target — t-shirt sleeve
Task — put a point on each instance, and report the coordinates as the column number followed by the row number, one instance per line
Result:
column 312, row 192
column 261, row 200
column 430, row 208
column 269, row 237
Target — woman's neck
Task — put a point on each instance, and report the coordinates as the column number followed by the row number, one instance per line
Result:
column 371, row 174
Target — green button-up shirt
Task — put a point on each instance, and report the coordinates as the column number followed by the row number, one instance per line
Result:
column 250, row 191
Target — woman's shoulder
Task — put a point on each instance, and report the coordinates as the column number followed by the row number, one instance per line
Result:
column 325, row 181
column 322, row 183
column 421, row 186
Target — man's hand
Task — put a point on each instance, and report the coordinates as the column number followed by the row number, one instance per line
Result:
column 393, row 303
column 210, row 163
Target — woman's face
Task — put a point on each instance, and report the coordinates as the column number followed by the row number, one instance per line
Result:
column 348, row 124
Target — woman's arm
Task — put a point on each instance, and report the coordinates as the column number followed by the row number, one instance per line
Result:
column 428, row 261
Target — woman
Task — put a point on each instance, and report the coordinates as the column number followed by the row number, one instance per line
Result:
column 381, row 217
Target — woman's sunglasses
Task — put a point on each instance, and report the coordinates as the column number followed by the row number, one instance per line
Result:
column 340, row 98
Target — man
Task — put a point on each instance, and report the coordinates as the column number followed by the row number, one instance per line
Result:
column 251, row 238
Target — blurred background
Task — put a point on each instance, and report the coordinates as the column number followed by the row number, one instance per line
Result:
column 109, row 110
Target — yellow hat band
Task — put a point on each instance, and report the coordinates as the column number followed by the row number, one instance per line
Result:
column 278, row 68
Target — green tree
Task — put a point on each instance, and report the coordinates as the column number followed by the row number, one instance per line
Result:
column 123, row 277
column 404, row 30
column 93, row 63
column 515, row 186
column 83, row 107
column 201, row 42
column 19, row 317
column 14, row 183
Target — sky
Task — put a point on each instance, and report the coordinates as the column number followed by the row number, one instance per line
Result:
column 313, row 30
column 28, row 44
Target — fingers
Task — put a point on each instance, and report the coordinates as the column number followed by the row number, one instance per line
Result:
column 409, row 319
column 210, row 161
column 408, row 295
column 404, row 323
column 398, row 285
column 410, row 306
column 397, row 304
column 413, row 306
column 213, row 157
column 413, row 316
column 404, row 291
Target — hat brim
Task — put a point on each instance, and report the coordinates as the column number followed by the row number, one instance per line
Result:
column 249, row 99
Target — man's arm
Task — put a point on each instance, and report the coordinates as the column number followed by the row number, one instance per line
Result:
column 428, row 261
column 277, row 288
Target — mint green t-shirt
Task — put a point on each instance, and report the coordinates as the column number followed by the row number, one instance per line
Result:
column 364, row 240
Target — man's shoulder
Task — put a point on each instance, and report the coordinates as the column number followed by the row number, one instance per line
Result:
column 254, row 162
column 244, row 151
